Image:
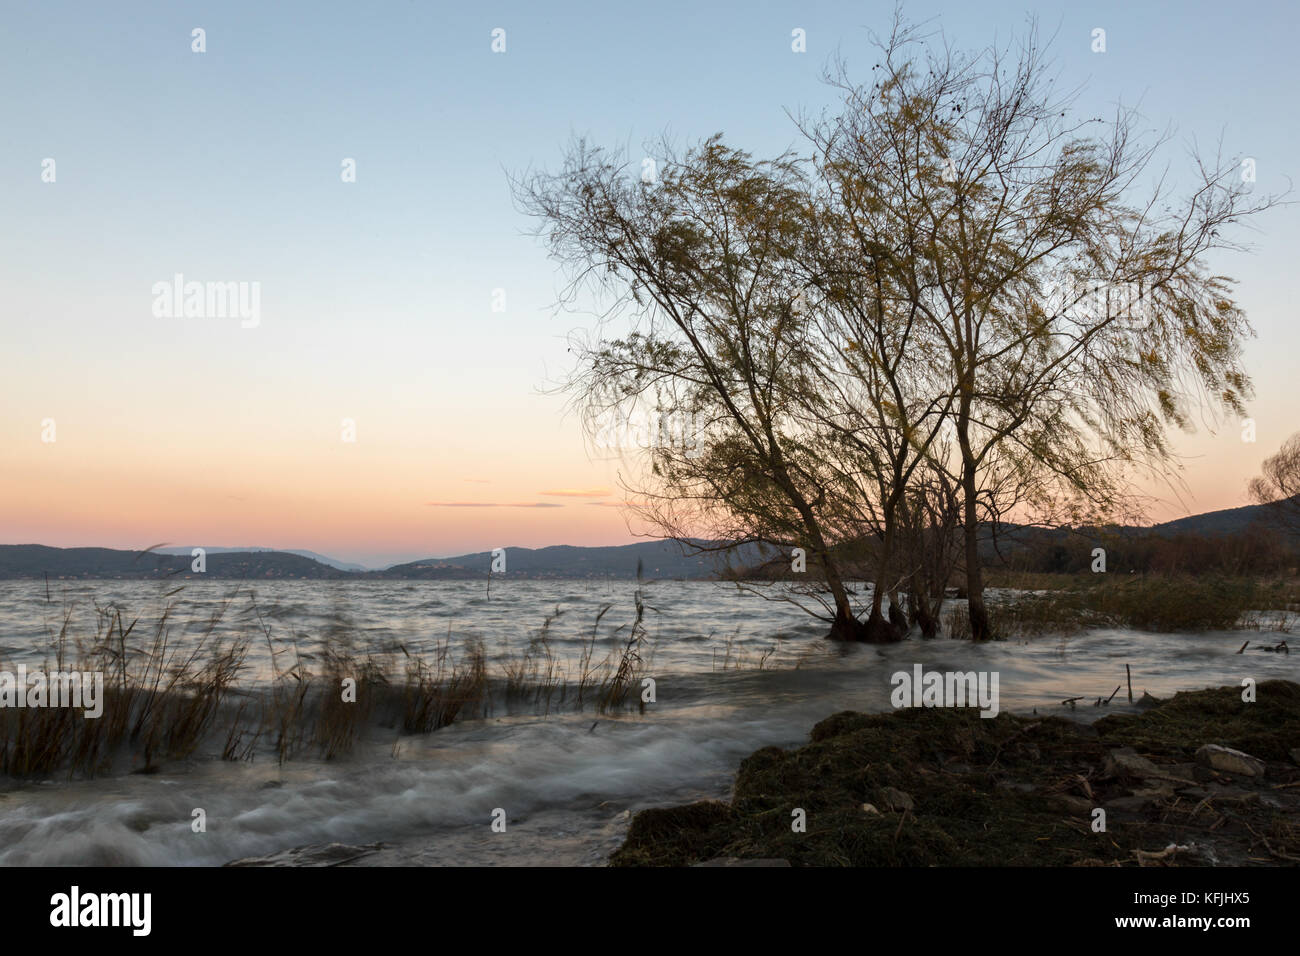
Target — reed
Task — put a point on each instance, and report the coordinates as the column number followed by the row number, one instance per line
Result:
column 169, row 694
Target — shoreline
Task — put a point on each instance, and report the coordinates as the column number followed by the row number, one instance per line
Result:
column 1201, row 779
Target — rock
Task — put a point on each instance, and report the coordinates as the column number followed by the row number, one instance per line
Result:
column 1152, row 794
column 1227, row 760
column 868, row 808
column 314, row 854
column 1125, row 762
column 1071, row 804
column 898, row 800
column 1134, row 803
column 737, row 861
column 1222, row 794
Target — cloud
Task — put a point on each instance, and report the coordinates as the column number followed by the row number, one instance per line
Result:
column 491, row 504
column 616, row 504
column 577, row 493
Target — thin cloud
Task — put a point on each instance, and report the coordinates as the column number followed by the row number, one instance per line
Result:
column 491, row 504
column 577, row 493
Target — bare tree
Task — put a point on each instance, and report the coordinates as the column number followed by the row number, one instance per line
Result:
column 1278, row 487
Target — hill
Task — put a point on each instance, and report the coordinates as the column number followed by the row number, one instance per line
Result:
column 656, row 559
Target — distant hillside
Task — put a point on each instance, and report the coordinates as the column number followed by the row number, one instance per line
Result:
column 657, row 559
column 36, row 561
column 1228, row 521
column 322, row 558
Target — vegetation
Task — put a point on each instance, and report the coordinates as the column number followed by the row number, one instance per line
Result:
column 1149, row 603
column 1278, row 486
column 963, row 305
column 167, row 699
column 943, row 786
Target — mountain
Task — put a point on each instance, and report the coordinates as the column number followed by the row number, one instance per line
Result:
column 36, row 561
column 1213, row 523
column 656, row 559
column 322, row 558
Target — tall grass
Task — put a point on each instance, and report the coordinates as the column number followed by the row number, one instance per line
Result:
column 165, row 698
column 1159, row 603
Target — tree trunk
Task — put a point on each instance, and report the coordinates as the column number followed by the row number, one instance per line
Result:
column 896, row 615
column 877, row 629
column 979, row 615
column 845, row 627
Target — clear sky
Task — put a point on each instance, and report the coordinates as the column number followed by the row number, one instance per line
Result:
column 376, row 296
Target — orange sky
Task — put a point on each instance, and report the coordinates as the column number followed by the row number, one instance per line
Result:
column 412, row 299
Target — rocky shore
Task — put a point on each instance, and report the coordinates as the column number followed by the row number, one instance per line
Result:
column 1201, row 779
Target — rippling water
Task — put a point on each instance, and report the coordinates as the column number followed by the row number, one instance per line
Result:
column 565, row 781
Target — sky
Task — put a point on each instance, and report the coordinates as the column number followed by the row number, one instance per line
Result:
column 411, row 309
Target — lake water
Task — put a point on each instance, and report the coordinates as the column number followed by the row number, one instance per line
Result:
column 565, row 781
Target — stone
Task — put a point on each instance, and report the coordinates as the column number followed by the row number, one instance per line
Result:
column 1071, row 804
column 898, row 800
column 1133, row 804
column 1126, row 762
column 1227, row 760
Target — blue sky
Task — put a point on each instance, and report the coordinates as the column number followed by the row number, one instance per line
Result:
column 376, row 294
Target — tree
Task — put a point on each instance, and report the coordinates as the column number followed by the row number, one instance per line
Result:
column 705, row 266
column 1278, row 486
column 930, row 519
column 965, row 291
column 1076, row 312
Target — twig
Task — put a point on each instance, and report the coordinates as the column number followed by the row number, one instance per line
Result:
column 1268, row 846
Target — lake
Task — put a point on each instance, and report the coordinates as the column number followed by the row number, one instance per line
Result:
column 566, row 781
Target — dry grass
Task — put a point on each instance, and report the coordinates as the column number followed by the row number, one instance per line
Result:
column 165, row 698
column 1055, row 604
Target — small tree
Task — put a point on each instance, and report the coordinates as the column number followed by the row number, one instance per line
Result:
column 1278, row 487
